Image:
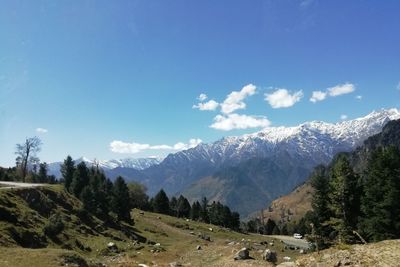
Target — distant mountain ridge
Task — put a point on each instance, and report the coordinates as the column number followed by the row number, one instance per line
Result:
column 107, row 165
column 247, row 172
column 313, row 142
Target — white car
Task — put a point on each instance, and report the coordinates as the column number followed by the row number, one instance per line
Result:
column 298, row 236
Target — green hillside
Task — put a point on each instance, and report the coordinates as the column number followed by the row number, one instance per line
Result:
column 31, row 236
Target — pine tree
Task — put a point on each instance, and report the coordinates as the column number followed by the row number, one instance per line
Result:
column 183, row 207
column 42, row 175
column 344, row 198
column 121, row 201
column 87, row 199
column 320, row 204
column 204, row 210
column 161, row 203
column 67, row 171
column 381, row 200
column 195, row 211
column 173, row 206
column 80, row 179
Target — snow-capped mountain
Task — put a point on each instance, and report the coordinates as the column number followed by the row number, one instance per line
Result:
column 291, row 152
column 131, row 163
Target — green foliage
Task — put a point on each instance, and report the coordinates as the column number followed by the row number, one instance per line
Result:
column 138, row 196
column 344, row 198
column 381, row 198
column 121, row 200
column 54, row 226
column 195, row 211
column 369, row 203
column 161, row 203
column 183, row 207
column 67, row 171
column 80, row 179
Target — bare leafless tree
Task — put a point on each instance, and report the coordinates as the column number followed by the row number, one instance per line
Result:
column 27, row 154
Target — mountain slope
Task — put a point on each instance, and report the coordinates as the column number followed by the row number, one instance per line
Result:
column 312, row 143
column 295, row 204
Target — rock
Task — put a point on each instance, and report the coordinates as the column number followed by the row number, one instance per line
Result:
column 157, row 245
column 286, row 258
column 142, row 265
column 175, row 264
column 192, row 233
column 211, row 230
column 242, row 254
column 231, row 243
column 112, row 247
column 204, row 237
column 269, row 255
column 301, row 251
column 198, row 247
column 287, row 264
column 141, row 212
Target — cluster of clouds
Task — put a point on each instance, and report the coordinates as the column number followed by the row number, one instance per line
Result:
column 229, row 119
column 133, row 148
column 337, row 90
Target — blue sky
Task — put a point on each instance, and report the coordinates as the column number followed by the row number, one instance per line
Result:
column 92, row 72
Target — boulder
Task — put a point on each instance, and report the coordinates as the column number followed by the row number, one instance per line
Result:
column 269, row 255
column 242, row 254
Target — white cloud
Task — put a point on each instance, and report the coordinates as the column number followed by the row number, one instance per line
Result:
column 236, row 121
column 133, row 148
column 343, row 117
column 210, row 105
column 282, row 98
column 234, row 100
column 359, row 97
column 41, row 130
column 317, row 96
column 341, row 89
column 202, row 97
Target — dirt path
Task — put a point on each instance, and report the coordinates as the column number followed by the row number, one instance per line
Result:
column 9, row 185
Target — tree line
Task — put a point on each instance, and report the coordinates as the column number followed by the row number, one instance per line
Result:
column 101, row 196
column 367, row 202
column 213, row 213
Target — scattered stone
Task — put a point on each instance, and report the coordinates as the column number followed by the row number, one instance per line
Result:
column 231, row 243
column 204, row 237
column 142, row 265
column 112, row 247
column 271, row 244
column 175, row 264
column 269, row 255
column 211, row 230
column 287, row 264
column 198, row 247
column 192, row 233
column 159, row 217
column 157, row 245
column 141, row 212
column 286, row 258
column 242, row 254
column 301, row 251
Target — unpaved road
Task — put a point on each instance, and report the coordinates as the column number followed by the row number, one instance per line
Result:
column 8, row 185
column 291, row 241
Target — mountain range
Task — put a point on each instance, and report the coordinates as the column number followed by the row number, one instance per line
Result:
column 247, row 172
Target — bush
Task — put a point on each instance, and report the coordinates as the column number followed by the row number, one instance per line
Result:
column 54, row 226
